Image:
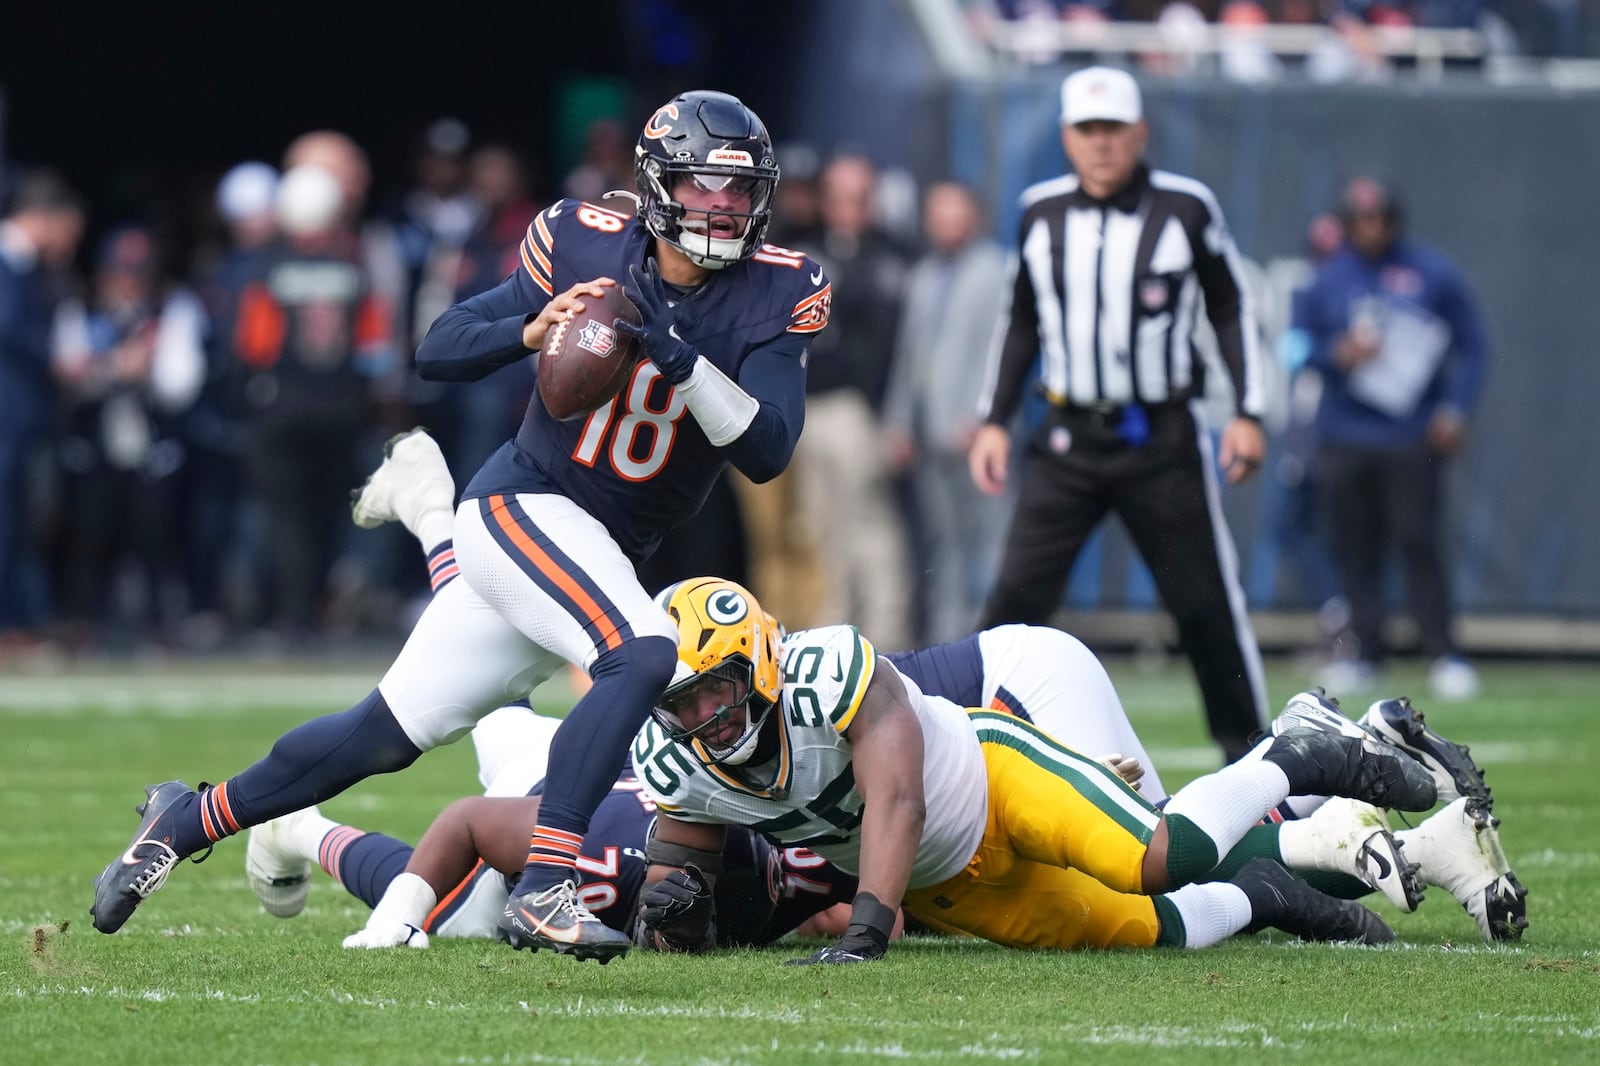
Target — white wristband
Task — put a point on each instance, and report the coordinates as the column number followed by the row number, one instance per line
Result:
column 723, row 409
column 406, row 901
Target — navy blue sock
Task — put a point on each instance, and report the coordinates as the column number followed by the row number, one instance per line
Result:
column 308, row 764
column 364, row 863
column 590, row 749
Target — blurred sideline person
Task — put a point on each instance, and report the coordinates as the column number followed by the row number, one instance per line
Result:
column 38, row 236
column 952, row 303
column 214, row 490
column 1112, row 265
column 843, row 479
column 1399, row 339
column 130, row 362
column 549, row 531
column 311, row 337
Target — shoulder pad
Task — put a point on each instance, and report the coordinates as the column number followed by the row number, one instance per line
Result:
column 826, row 673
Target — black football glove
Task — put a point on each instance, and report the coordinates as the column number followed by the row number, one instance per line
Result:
column 859, row 944
column 658, row 336
column 866, row 937
column 679, row 909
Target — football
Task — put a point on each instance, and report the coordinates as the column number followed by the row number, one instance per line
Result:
column 586, row 360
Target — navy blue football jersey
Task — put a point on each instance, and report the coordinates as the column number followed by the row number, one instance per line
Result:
column 641, row 464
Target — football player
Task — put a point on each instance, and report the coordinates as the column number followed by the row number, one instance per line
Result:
column 547, row 533
column 975, row 820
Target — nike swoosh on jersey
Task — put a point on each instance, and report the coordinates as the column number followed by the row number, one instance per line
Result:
column 672, row 331
column 816, row 279
column 838, row 668
column 555, row 209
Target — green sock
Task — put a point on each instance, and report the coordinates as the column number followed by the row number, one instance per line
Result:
column 1258, row 842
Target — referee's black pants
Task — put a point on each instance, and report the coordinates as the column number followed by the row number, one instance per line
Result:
column 1076, row 469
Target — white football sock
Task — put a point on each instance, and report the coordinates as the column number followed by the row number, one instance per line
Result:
column 1224, row 805
column 1211, row 912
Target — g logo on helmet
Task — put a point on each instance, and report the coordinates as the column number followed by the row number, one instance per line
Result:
column 725, row 607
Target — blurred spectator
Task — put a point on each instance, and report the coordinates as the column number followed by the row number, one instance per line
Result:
column 1183, row 29
column 607, row 163
column 846, row 488
column 131, row 362
column 311, row 336
column 952, row 304
column 797, row 203
column 435, row 218
column 213, row 491
column 38, row 236
column 1246, row 57
column 1399, row 340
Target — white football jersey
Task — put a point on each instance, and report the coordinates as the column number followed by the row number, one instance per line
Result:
column 806, row 796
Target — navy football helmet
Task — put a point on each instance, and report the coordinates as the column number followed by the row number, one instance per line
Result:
column 713, row 140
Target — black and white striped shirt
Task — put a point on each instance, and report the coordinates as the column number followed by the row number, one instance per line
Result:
column 1110, row 290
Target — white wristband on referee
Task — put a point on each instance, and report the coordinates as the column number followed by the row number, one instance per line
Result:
column 723, row 409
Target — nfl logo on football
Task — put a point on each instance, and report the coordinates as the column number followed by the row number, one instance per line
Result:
column 598, row 338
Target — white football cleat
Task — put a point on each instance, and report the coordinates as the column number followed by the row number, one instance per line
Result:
column 279, row 875
column 1458, row 849
column 412, row 480
column 1350, row 837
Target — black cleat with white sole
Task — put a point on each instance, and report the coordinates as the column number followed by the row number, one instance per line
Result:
column 1280, row 900
column 1397, row 722
column 1326, row 764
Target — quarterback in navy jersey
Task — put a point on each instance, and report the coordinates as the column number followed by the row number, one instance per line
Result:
column 546, row 536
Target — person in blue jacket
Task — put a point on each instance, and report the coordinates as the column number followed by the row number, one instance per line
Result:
column 1399, row 339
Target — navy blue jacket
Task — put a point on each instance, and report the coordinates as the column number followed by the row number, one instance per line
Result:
column 1411, row 277
column 27, row 313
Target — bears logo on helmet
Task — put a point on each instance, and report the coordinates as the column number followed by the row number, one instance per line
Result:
column 712, row 138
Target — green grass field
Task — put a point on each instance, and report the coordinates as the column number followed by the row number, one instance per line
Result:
column 202, row 975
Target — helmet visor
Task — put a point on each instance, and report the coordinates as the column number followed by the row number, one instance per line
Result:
column 703, row 707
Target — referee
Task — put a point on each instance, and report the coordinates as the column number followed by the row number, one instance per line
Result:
column 1112, row 266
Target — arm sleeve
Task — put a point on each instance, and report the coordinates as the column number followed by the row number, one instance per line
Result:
column 775, row 376
column 1311, row 314
column 1468, row 342
column 480, row 335
column 1015, row 346
column 1216, row 265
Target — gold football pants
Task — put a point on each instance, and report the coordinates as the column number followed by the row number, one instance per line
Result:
column 1059, row 863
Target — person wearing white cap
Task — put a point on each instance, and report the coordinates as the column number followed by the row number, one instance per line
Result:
column 245, row 197
column 1114, row 264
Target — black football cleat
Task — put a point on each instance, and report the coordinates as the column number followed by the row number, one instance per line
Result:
column 1454, row 773
column 144, row 866
column 1327, row 764
column 555, row 919
column 1280, row 900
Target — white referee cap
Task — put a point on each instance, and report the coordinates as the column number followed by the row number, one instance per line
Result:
column 1103, row 94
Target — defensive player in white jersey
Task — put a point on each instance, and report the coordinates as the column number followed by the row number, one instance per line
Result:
column 975, row 820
